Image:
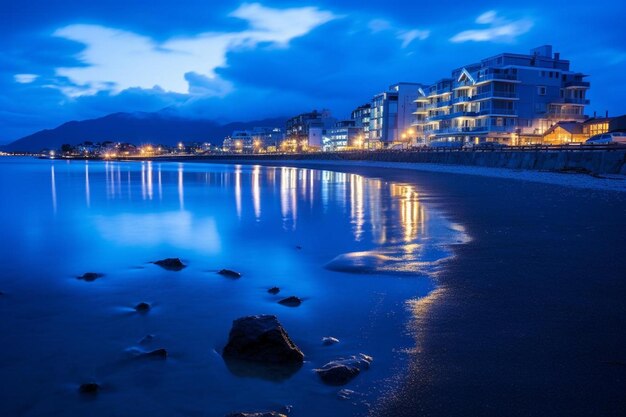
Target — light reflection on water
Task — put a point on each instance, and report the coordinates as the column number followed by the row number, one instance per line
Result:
column 115, row 217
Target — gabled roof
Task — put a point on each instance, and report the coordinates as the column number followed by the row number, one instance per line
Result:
column 574, row 128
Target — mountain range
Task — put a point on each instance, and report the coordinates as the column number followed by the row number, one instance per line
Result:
column 161, row 128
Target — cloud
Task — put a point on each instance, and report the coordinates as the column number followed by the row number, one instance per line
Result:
column 406, row 36
column 500, row 29
column 114, row 60
column 25, row 78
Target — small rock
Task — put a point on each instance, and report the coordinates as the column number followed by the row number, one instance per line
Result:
column 327, row 341
column 229, row 273
column 146, row 339
column 157, row 354
column 142, row 307
column 261, row 339
column 90, row 276
column 171, row 264
column 261, row 414
column 273, row 290
column 342, row 371
column 291, row 301
column 298, row 247
column 89, row 388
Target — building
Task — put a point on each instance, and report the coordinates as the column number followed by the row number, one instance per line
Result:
column 305, row 130
column 267, row 138
column 596, row 125
column 510, row 98
column 391, row 115
column 563, row 133
column 343, row 136
column 239, row 141
column 361, row 117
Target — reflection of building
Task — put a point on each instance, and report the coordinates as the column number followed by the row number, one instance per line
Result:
column 509, row 98
column 344, row 135
column 391, row 115
column 305, row 130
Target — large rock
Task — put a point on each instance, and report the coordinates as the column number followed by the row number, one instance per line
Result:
column 171, row 264
column 261, row 339
column 342, row 371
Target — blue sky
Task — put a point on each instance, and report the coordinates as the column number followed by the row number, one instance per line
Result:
column 225, row 60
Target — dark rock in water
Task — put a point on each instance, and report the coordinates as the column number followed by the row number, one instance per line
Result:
column 327, row 341
column 142, row 307
column 89, row 388
column 171, row 264
column 273, row 290
column 157, row 354
column 90, row 276
column 261, row 414
column 291, row 301
column 229, row 273
column 146, row 339
column 261, row 339
column 298, row 247
column 342, row 371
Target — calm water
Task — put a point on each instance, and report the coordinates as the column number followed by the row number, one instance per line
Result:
column 367, row 249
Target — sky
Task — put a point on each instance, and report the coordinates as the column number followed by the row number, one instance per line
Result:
column 68, row 60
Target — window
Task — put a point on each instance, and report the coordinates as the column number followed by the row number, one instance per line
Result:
column 541, row 90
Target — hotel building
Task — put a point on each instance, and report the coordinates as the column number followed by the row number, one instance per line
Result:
column 510, row 98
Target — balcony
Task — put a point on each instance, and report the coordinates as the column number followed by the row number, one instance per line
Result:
column 581, row 101
column 576, row 84
column 495, row 94
column 497, row 112
column 497, row 77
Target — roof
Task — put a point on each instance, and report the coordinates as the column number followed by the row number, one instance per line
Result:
column 574, row 128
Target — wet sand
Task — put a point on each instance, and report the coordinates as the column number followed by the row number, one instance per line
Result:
column 529, row 316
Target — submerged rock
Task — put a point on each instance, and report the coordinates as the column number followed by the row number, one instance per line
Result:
column 229, row 273
column 329, row 340
column 142, row 307
column 257, row 414
column 89, row 388
column 342, row 371
column 273, row 290
column 90, row 276
column 291, row 301
column 171, row 264
column 298, row 247
column 261, row 339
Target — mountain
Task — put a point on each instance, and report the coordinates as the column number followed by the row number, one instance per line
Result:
column 162, row 128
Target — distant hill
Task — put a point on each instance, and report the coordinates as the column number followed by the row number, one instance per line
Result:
column 158, row 128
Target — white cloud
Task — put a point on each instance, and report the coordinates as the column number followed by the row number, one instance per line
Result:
column 406, row 36
column 500, row 29
column 25, row 78
column 116, row 59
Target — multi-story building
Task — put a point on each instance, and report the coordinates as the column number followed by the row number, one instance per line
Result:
column 238, row 141
column 344, row 135
column 304, row 130
column 391, row 115
column 508, row 98
column 361, row 117
column 267, row 137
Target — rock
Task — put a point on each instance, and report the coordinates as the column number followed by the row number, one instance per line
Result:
column 261, row 339
column 327, row 341
column 273, row 290
column 89, row 388
column 291, row 301
column 229, row 273
column 171, row 264
column 157, row 354
column 142, row 307
column 146, row 339
column 298, row 247
column 90, row 276
column 261, row 414
column 342, row 371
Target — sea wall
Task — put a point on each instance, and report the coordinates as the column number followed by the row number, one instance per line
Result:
column 610, row 161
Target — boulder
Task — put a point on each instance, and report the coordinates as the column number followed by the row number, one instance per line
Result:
column 89, row 388
column 229, row 273
column 261, row 414
column 273, row 290
column 261, row 339
column 342, row 371
column 90, row 276
column 142, row 307
column 171, row 264
column 328, row 340
column 291, row 301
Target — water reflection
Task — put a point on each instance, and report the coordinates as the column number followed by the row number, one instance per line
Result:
column 54, row 189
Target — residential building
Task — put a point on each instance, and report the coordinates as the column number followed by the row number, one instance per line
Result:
column 361, row 117
column 508, row 98
column 391, row 115
column 239, row 141
column 305, row 130
column 343, row 136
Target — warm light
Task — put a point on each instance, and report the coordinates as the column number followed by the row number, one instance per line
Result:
column 180, row 145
